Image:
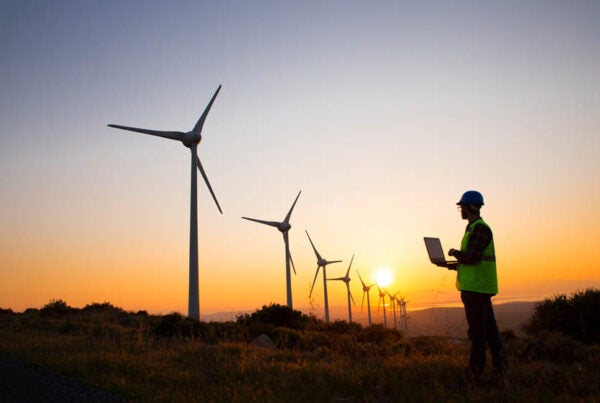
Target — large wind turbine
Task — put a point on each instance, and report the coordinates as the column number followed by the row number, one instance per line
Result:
column 191, row 140
column 321, row 263
column 366, row 290
column 284, row 227
column 346, row 279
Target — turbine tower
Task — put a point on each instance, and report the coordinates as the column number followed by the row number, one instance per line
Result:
column 366, row 290
column 191, row 140
column 404, row 315
column 393, row 303
column 284, row 227
column 346, row 279
column 382, row 303
column 321, row 263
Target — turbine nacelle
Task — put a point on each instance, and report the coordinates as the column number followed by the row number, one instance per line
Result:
column 284, row 226
column 191, row 138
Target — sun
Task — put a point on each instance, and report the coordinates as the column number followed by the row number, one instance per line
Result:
column 383, row 276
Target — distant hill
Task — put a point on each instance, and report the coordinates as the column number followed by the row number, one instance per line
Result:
column 452, row 322
column 439, row 321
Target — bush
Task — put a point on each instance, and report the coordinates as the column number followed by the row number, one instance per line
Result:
column 554, row 347
column 277, row 316
column 377, row 334
column 56, row 306
column 577, row 317
column 175, row 324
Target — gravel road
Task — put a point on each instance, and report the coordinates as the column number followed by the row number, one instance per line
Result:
column 23, row 383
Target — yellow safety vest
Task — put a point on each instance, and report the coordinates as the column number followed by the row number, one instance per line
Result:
column 479, row 277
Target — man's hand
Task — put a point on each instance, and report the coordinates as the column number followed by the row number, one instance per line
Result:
column 452, row 252
column 447, row 265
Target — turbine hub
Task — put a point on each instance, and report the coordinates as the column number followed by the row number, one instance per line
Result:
column 191, row 138
column 284, row 227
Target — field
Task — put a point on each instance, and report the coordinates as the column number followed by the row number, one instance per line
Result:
column 276, row 355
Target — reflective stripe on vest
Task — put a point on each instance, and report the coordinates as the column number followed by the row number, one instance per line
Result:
column 479, row 277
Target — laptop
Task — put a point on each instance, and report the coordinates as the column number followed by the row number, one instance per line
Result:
column 435, row 251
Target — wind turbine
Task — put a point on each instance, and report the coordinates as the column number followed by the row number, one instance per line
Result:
column 321, row 263
column 366, row 290
column 346, row 279
column 404, row 316
column 382, row 303
column 284, row 227
column 191, row 140
column 393, row 302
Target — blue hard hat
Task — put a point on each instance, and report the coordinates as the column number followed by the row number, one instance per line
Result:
column 471, row 197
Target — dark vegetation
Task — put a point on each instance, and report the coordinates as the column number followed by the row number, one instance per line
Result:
column 577, row 317
column 170, row 357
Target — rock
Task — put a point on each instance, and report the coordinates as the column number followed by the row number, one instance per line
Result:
column 263, row 341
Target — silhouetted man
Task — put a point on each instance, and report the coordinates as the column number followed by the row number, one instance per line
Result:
column 477, row 282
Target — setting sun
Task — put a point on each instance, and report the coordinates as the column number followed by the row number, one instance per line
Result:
column 383, row 276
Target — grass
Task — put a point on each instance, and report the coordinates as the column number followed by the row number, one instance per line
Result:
column 153, row 358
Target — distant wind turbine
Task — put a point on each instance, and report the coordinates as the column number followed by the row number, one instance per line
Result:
column 321, row 263
column 346, row 279
column 404, row 316
column 284, row 227
column 366, row 290
column 382, row 295
column 393, row 303
column 191, row 140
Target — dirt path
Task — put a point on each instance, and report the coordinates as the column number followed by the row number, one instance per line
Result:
column 22, row 383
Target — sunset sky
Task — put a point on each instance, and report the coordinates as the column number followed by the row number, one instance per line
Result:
column 382, row 113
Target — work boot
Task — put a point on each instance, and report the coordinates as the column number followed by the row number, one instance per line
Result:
column 500, row 373
column 500, row 361
column 469, row 377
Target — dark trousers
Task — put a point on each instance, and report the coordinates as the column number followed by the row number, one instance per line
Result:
column 482, row 331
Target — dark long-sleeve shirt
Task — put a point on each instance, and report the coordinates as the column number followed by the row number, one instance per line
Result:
column 480, row 238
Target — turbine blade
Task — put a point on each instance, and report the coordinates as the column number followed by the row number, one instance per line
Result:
column 293, row 265
column 159, row 133
column 271, row 223
column 349, row 266
column 361, row 280
column 313, row 246
column 207, row 183
column 337, row 278
column 287, row 217
column 334, row 261
column 351, row 297
column 314, row 281
column 198, row 128
column 362, row 303
column 288, row 255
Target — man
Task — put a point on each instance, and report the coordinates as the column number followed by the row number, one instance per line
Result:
column 477, row 282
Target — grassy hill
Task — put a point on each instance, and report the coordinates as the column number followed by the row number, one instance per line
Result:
column 277, row 355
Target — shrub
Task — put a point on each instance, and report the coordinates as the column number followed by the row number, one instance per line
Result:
column 286, row 338
column 175, row 324
column 554, row 347
column 343, row 327
column 377, row 334
column 577, row 317
column 56, row 306
column 277, row 316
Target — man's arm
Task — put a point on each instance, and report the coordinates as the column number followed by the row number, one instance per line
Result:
column 479, row 239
